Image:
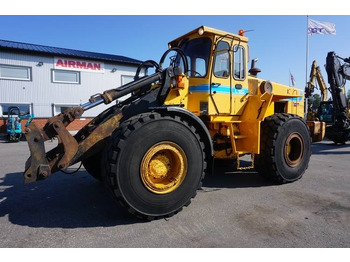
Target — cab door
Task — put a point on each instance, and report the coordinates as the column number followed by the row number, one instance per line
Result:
column 220, row 80
column 240, row 80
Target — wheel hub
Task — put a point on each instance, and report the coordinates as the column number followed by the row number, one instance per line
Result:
column 163, row 167
column 294, row 149
column 159, row 166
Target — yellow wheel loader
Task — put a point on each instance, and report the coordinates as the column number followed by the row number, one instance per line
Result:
column 153, row 149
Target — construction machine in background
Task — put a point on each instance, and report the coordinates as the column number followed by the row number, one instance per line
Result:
column 318, row 126
column 338, row 71
column 334, row 113
column 14, row 125
column 153, row 149
column 316, row 76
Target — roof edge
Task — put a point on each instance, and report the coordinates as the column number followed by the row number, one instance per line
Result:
column 44, row 49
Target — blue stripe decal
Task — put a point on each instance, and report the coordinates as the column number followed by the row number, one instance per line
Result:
column 295, row 99
column 205, row 88
column 200, row 88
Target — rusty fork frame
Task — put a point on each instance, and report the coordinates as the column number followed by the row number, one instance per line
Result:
column 38, row 166
column 70, row 149
column 92, row 137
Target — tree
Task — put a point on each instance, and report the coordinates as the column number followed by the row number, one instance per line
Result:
column 314, row 101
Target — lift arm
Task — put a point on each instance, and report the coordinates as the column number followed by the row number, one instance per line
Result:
column 71, row 149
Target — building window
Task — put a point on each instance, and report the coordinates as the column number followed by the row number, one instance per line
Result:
column 63, row 108
column 60, row 108
column 15, row 72
column 25, row 109
column 63, row 76
column 127, row 79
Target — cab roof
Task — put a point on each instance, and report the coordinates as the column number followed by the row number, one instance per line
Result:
column 208, row 30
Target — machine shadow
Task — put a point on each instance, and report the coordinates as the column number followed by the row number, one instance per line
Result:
column 330, row 148
column 80, row 201
column 226, row 175
column 62, row 201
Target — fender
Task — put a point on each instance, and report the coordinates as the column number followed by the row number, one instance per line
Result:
column 199, row 125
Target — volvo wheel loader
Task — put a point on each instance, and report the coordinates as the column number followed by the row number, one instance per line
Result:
column 153, row 149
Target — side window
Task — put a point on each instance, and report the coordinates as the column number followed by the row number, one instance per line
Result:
column 197, row 52
column 60, row 108
column 126, row 79
column 11, row 72
column 201, row 66
column 239, row 63
column 25, row 109
column 64, row 76
column 197, row 66
column 222, row 60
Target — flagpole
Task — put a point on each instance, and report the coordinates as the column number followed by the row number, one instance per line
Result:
column 307, row 48
column 307, row 64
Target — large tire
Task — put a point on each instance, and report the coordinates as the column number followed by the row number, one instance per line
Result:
column 285, row 148
column 154, row 165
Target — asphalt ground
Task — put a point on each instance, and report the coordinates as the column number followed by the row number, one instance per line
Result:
column 234, row 209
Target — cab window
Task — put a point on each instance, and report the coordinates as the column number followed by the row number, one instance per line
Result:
column 197, row 52
column 222, row 60
column 239, row 63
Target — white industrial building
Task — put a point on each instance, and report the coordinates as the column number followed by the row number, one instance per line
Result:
column 44, row 80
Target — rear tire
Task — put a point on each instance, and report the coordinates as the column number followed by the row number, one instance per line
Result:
column 285, row 148
column 154, row 164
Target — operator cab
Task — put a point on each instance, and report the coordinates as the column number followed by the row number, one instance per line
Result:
column 217, row 66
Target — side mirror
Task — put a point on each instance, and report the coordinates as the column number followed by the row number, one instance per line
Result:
column 253, row 70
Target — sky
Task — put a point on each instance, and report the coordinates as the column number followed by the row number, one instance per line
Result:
column 279, row 41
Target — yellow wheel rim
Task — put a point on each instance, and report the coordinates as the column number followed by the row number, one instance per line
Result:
column 294, row 150
column 163, row 167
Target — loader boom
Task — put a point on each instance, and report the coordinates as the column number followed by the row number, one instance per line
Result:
column 74, row 149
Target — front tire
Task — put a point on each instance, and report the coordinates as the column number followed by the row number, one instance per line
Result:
column 154, row 164
column 285, row 148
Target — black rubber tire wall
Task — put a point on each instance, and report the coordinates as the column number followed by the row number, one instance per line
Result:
column 123, row 155
column 271, row 163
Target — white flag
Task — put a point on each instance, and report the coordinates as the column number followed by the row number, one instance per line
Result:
column 292, row 78
column 322, row 28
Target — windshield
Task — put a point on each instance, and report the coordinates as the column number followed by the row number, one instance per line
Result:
column 197, row 52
